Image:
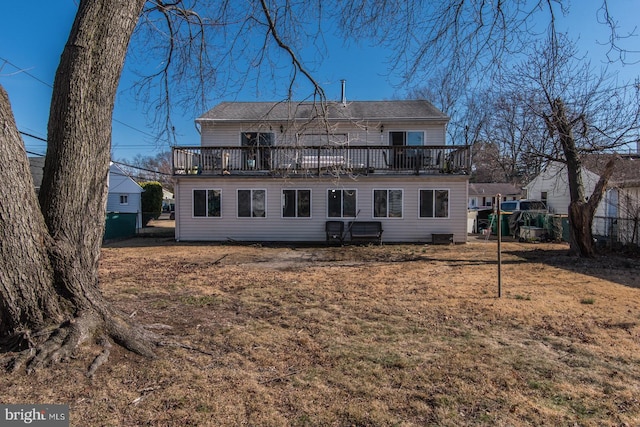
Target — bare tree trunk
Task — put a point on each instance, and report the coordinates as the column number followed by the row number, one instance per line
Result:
column 581, row 215
column 74, row 187
column 581, row 211
column 50, row 259
column 27, row 299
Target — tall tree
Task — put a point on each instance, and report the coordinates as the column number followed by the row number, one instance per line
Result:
column 583, row 113
column 49, row 251
column 49, row 272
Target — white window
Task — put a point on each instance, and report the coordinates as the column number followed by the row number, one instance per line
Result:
column 124, row 199
column 252, row 203
column 387, row 203
column 296, row 203
column 434, row 203
column 207, row 203
column 341, row 203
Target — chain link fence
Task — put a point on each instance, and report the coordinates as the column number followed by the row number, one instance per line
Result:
column 617, row 231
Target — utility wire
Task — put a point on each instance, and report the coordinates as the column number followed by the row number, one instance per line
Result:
column 113, row 161
column 24, row 71
column 142, row 169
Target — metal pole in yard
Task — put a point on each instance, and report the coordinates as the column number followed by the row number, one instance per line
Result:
column 499, row 227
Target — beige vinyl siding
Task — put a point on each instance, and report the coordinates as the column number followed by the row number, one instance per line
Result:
column 219, row 134
column 410, row 228
column 361, row 133
column 436, row 135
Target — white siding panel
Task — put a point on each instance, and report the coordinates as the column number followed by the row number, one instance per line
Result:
column 360, row 133
column 134, row 205
column 410, row 228
column 554, row 181
column 436, row 135
column 221, row 135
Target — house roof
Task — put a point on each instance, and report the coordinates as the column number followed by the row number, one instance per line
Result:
column 626, row 171
column 120, row 182
column 493, row 188
column 356, row 110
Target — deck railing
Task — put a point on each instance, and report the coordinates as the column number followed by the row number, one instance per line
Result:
column 320, row 160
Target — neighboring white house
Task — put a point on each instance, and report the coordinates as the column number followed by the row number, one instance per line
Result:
column 168, row 201
column 621, row 201
column 481, row 195
column 125, row 195
column 281, row 171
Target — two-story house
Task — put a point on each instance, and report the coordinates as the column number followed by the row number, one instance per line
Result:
column 280, row 171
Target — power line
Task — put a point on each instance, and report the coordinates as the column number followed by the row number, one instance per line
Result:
column 142, row 169
column 113, row 161
column 24, row 71
column 49, row 85
column 33, row 136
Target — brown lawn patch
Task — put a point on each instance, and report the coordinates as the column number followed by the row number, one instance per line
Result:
column 402, row 335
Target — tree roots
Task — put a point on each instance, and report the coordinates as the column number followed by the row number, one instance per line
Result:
column 62, row 342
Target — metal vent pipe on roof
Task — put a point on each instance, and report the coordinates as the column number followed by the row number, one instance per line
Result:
column 343, row 97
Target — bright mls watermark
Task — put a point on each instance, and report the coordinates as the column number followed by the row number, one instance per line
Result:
column 34, row 415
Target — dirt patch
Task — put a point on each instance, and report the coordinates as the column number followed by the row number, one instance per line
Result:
column 407, row 335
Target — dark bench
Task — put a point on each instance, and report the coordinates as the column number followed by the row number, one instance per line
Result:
column 335, row 231
column 366, row 231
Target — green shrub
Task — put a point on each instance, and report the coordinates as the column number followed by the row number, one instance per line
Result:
column 151, row 201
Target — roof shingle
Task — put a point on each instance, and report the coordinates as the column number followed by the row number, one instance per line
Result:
column 356, row 110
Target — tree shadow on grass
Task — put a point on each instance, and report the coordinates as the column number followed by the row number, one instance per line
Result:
column 617, row 268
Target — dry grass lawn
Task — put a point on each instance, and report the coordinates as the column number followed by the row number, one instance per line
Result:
column 392, row 335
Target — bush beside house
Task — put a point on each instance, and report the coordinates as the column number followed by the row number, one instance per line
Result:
column 151, row 201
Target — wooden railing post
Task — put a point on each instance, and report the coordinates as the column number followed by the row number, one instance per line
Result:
column 368, row 151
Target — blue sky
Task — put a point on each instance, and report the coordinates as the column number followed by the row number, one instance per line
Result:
column 33, row 33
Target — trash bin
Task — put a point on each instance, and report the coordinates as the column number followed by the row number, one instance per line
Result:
column 504, row 224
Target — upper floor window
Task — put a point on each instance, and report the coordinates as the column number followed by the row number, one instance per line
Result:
column 406, row 138
column 258, row 155
column 387, row 203
column 341, row 203
column 124, row 199
column 252, row 203
column 206, row 203
column 255, row 139
column 434, row 203
column 296, row 203
column 403, row 155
